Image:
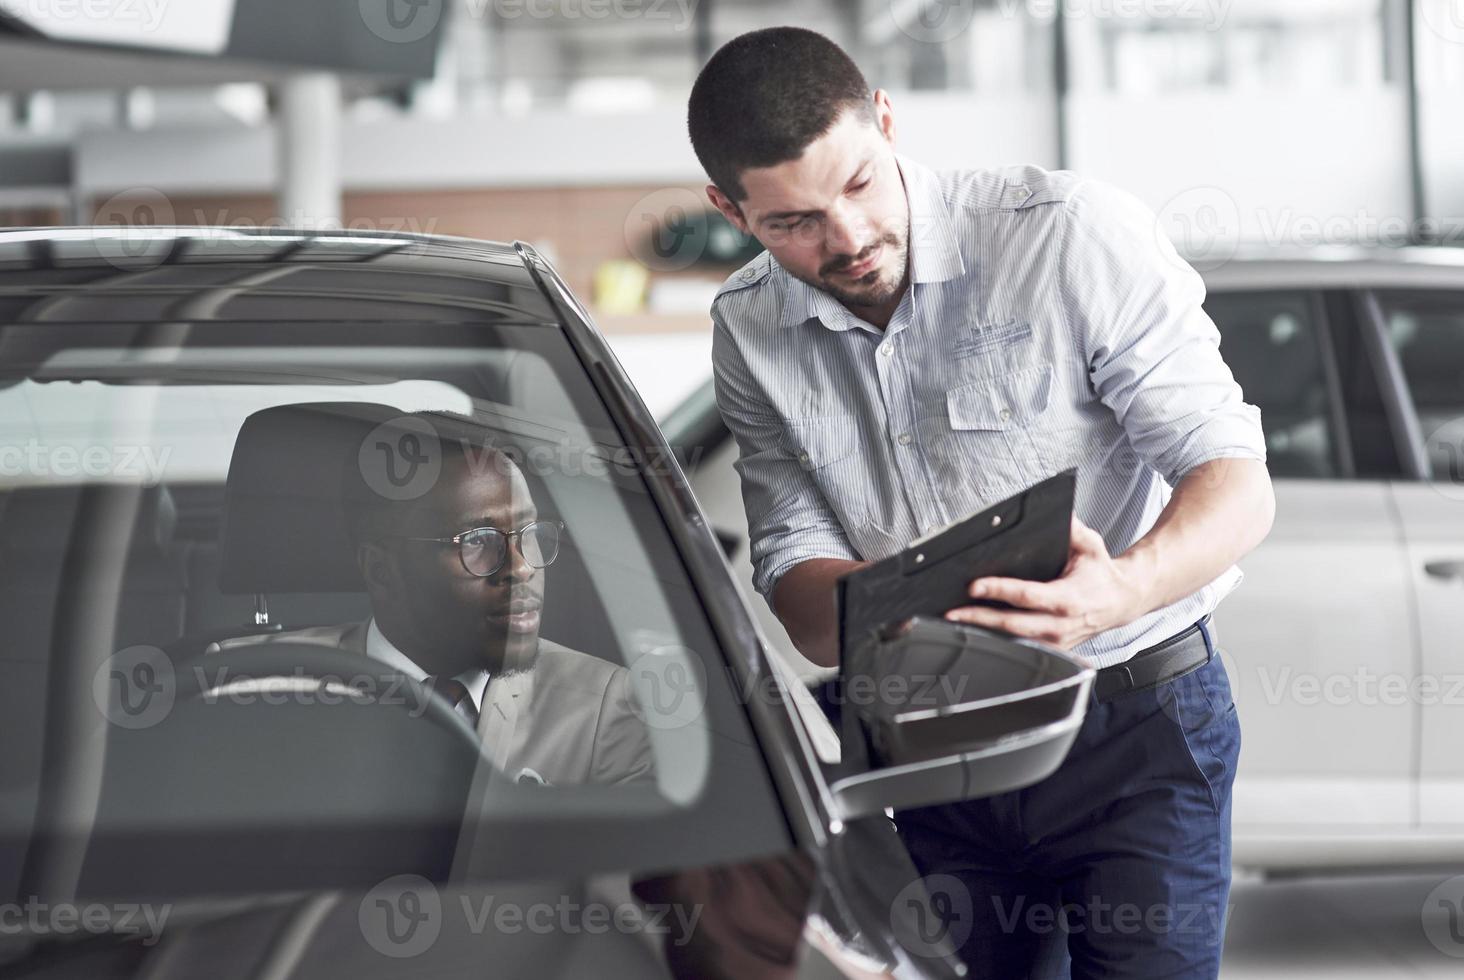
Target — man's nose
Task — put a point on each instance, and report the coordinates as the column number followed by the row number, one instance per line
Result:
column 515, row 566
column 848, row 231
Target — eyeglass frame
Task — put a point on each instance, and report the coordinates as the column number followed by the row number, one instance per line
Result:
column 513, row 539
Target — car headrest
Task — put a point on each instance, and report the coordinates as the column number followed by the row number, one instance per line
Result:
column 284, row 525
column 40, row 519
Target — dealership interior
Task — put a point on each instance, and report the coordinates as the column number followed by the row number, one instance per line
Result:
column 1303, row 158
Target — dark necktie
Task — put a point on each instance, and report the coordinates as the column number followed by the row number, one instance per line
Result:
column 457, row 695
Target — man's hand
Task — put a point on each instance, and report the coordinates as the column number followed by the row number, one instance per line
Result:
column 1220, row 510
column 1094, row 593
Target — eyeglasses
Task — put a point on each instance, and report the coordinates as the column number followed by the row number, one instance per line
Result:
column 483, row 550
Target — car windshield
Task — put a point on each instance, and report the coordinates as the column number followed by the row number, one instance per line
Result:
column 392, row 595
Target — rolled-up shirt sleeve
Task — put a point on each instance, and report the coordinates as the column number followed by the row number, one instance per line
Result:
column 788, row 520
column 1153, row 354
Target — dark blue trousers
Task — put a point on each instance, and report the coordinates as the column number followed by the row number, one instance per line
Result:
column 1117, row 865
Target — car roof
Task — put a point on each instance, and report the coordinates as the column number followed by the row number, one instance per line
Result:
column 140, row 274
column 1323, row 267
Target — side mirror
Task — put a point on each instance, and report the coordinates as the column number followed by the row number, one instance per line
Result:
column 936, row 712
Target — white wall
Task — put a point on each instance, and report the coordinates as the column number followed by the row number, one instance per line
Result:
column 1271, row 167
column 546, row 148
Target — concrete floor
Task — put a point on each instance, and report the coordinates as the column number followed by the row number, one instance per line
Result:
column 1378, row 928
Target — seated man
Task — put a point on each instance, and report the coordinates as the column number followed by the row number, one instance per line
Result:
column 455, row 574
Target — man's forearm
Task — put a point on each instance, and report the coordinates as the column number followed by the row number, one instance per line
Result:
column 803, row 600
column 1219, row 512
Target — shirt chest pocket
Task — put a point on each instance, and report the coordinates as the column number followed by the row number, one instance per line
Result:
column 989, row 434
column 828, row 449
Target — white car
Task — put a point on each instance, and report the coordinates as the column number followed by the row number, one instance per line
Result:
column 1343, row 642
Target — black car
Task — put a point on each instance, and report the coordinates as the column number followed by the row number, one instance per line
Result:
column 202, row 774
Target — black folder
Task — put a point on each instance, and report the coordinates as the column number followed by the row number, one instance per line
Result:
column 1025, row 536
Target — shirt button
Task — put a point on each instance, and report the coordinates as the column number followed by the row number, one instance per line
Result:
column 1006, row 414
column 886, row 348
column 904, row 439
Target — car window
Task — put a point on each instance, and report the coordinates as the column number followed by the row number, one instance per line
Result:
column 1427, row 331
column 188, row 510
column 1271, row 342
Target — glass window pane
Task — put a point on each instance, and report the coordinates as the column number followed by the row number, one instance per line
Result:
column 1270, row 342
column 1427, row 331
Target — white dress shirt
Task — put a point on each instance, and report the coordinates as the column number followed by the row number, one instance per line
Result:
column 380, row 648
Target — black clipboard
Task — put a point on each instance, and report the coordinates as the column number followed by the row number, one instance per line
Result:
column 1026, row 536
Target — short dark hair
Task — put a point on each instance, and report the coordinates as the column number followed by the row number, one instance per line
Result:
column 765, row 96
column 456, row 440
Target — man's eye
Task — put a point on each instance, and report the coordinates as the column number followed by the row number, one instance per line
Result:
column 860, row 186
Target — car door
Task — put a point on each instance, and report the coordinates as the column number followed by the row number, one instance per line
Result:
column 1424, row 331
column 1325, row 602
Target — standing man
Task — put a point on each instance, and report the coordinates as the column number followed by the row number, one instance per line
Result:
column 915, row 346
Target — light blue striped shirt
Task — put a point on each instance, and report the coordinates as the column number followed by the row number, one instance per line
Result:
column 1049, row 324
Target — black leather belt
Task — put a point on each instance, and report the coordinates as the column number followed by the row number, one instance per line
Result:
column 1163, row 662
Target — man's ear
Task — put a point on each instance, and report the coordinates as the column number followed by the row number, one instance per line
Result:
column 378, row 569
column 884, row 115
column 729, row 208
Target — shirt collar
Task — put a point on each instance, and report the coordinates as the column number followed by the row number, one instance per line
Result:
column 935, row 253
column 380, row 648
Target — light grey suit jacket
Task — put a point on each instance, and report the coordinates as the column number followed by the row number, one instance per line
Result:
column 570, row 719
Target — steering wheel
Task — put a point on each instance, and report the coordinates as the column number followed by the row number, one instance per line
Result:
column 202, row 673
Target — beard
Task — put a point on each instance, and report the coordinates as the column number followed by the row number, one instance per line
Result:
column 876, row 288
